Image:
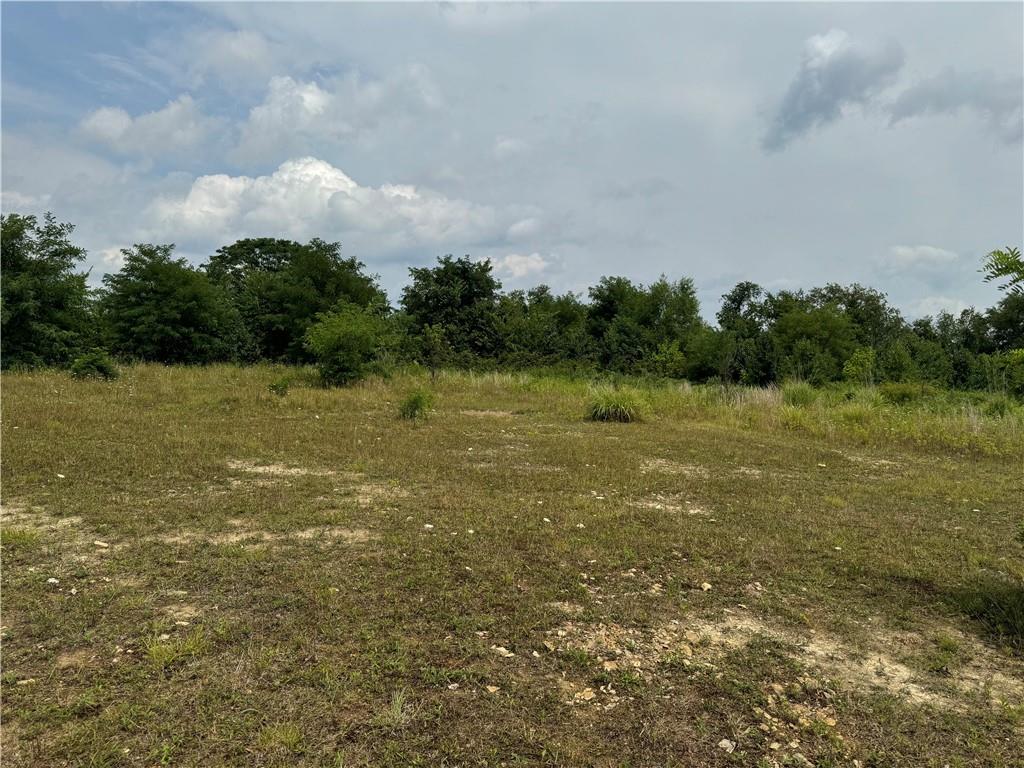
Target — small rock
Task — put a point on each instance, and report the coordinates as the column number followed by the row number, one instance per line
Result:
column 52, row 580
column 453, row 687
column 492, row 688
column 502, row 651
column 101, row 544
column 727, row 745
column 705, row 586
column 428, row 527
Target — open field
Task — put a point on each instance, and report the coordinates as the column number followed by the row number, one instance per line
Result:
column 199, row 571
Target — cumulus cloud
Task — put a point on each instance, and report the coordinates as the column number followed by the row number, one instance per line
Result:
column 177, row 127
column 911, row 257
column 518, row 266
column 308, row 197
column 836, row 73
column 997, row 99
column 296, row 116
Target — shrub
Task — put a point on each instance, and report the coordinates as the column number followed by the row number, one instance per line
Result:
column 94, row 364
column 280, row 386
column 904, row 392
column 416, row 405
column 798, row 393
column 615, row 404
column 347, row 341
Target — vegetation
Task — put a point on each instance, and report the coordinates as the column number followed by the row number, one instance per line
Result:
column 95, row 363
column 416, row 405
column 615, row 404
column 201, row 572
column 277, row 300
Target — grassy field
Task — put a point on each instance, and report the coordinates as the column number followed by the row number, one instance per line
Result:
column 200, row 569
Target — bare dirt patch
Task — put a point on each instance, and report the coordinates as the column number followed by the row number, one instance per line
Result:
column 369, row 494
column 673, row 503
column 78, row 659
column 669, row 467
column 494, row 414
column 701, row 642
column 36, row 519
column 276, row 470
column 258, row 538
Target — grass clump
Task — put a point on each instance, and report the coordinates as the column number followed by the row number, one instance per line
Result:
column 615, row 404
column 94, row 364
column 904, row 392
column 18, row 538
column 799, row 394
column 280, row 386
column 416, row 405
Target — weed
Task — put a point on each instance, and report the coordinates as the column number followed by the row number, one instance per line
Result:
column 416, row 405
column 280, row 386
column 615, row 404
column 799, row 394
column 281, row 736
column 19, row 538
column 165, row 653
column 398, row 712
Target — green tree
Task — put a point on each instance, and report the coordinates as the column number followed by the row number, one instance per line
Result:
column 860, row 367
column 280, row 286
column 461, row 295
column 348, row 340
column 162, row 309
column 44, row 311
column 814, row 343
column 1005, row 263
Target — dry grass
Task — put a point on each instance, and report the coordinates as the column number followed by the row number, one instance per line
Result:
column 198, row 571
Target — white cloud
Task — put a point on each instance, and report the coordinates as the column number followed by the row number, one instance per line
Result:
column 911, row 257
column 932, row 305
column 177, row 127
column 308, row 197
column 836, row 73
column 295, row 116
column 112, row 257
column 518, row 266
column 506, row 147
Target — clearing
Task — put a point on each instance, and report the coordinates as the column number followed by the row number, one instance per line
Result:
column 197, row 571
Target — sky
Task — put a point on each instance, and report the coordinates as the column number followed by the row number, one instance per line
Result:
column 788, row 144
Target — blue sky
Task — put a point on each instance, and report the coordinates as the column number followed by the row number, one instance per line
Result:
column 790, row 144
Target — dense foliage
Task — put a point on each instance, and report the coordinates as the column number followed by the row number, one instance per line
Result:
column 272, row 299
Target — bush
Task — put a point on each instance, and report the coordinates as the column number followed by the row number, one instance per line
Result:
column 798, row 393
column 416, row 405
column 611, row 404
column 904, row 392
column 94, row 364
column 347, row 341
column 280, row 386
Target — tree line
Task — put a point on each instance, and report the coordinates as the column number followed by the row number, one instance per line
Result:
column 284, row 301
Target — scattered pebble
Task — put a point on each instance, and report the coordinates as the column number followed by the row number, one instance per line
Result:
column 705, row 586
column 492, row 688
column 52, row 580
column 102, row 544
column 727, row 745
column 428, row 527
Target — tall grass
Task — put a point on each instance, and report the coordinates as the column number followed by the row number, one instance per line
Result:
column 615, row 404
